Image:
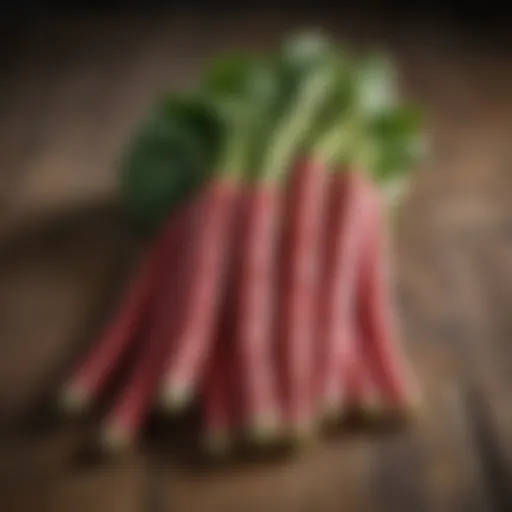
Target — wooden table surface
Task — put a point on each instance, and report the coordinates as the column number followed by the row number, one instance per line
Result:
column 72, row 91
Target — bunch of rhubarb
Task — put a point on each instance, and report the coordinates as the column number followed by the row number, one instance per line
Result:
column 265, row 293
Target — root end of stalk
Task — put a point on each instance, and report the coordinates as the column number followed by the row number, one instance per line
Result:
column 173, row 400
column 73, row 401
column 414, row 410
column 217, row 443
column 390, row 413
column 409, row 408
column 371, row 410
column 114, row 440
column 333, row 412
column 302, row 433
column 265, row 430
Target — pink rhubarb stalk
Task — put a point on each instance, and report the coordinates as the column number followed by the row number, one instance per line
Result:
column 300, row 273
column 118, row 336
column 255, row 296
column 137, row 394
column 345, row 227
column 378, row 311
column 202, row 296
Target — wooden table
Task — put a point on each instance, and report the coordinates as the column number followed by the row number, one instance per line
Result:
column 72, row 91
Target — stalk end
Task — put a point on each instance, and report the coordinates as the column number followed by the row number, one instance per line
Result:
column 334, row 408
column 74, row 400
column 415, row 408
column 174, row 399
column 302, row 433
column 217, row 442
column 114, row 439
column 265, row 429
column 372, row 408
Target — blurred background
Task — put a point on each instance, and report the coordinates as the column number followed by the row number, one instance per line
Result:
column 76, row 80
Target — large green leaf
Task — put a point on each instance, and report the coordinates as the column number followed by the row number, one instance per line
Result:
column 168, row 157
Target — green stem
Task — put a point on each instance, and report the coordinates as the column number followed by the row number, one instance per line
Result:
column 336, row 145
column 346, row 142
column 232, row 160
column 290, row 133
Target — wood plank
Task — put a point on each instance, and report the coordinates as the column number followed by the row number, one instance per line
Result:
column 47, row 474
column 56, row 285
column 85, row 108
column 64, row 280
column 474, row 339
column 116, row 488
column 487, row 372
column 324, row 478
column 91, row 111
column 434, row 464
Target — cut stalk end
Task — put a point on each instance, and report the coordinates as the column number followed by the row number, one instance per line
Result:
column 74, row 400
column 114, row 439
column 265, row 430
column 334, row 409
column 302, row 433
column 174, row 399
column 372, row 409
column 414, row 408
column 217, row 442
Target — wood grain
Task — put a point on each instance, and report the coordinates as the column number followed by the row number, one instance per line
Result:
column 71, row 94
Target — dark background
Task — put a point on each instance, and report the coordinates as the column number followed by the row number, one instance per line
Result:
column 486, row 20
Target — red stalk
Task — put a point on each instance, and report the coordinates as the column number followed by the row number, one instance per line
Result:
column 221, row 407
column 134, row 402
column 345, row 225
column 359, row 384
column 203, row 293
column 300, row 272
column 119, row 334
column 255, row 296
column 218, row 407
column 378, row 314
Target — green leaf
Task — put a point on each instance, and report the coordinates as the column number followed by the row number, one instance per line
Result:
column 168, row 157
column 300, row 54
column 398, row 122
column 307, row 68
column 305, row 50
column 192, row 113
column 396, row 141
column 237, row 76
column 332, row 129
column 245, row 90
column 238, row 84
column 376, row 84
